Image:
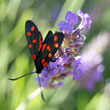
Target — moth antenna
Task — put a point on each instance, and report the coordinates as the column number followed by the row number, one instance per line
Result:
column 20, row 76
column 41, row 89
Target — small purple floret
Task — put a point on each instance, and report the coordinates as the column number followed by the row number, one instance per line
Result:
column 86, row 20
column 77, row 71
column 71, row 19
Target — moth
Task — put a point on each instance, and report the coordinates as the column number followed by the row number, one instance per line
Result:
column 42, row 51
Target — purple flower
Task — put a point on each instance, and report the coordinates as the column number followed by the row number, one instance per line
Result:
column 77, row 71
column 65, row 64
column 71, row 19
column 91, row 70
column 86, row 20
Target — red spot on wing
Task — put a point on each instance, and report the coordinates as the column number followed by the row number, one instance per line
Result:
column 48, row 48
column 34, row 41
column 32, row 28
column 43, row 47
column 40, row 42
column 30, row 45
column 34, row 57
column 43, row 61
column 55, row 38
column 45, row 64
column 49, row 55
column 28, row 34
column 56, row 45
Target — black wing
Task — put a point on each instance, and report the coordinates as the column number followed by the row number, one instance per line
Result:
column 50, row 46
column 34, row 38
column 49, row 34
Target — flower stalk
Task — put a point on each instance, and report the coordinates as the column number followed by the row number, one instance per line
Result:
column 65, row 63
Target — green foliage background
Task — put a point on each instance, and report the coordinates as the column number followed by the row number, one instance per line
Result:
column 15, row 58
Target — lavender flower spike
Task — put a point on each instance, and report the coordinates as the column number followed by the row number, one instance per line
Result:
column 65, row 62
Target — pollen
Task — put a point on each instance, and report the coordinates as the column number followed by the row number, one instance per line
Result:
column 55, row 38
column 32, row 28
column 56, row 45
column 30, row 45
column 45, row 64
column 48, row 48
column 28, row 34
column 49, row 55
column 43, row 60
column 34, row 41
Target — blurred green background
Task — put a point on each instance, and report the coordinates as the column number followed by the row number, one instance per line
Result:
column 15, row 57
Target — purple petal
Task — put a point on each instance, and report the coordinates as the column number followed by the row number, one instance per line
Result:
column 52, row 65
column 62, row 68
column 68, row 15
column 56, row 71
column 80, row 13
column 67, row 26
column 63, row 59
column 62, row 25
column 51, row 73
column 77, row 68
column 86, row 20
column 71, row 18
